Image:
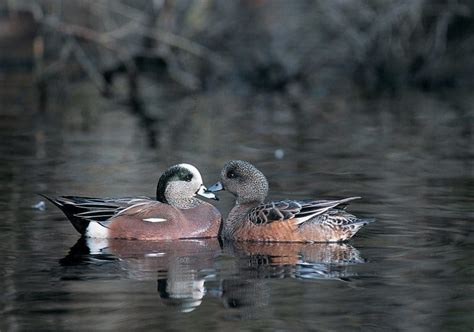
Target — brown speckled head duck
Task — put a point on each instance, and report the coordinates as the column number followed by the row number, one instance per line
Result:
column 177, row 213
column 286, row 221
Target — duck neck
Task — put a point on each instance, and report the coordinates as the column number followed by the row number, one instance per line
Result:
column 236, row 216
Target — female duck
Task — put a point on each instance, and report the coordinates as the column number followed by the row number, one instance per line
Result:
column 176, row 213
column 287, row 220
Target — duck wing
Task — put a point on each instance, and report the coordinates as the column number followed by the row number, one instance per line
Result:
column 96, row 209
column 301, row 211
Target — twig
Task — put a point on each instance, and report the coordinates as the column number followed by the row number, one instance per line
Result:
column 163, row 36
column 98, row 38
column 88, row 65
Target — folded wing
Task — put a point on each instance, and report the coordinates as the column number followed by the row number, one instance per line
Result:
column 289, row 209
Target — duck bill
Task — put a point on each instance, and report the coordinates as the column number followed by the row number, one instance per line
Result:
column 215, row 187
column 204, row 192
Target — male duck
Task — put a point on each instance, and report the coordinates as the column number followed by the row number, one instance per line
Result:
column 285, row 221
column 176, row 213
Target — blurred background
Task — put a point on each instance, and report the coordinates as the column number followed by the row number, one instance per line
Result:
column 207, row 81
column 328, row 98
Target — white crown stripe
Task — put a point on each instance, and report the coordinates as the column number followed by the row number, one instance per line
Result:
column 193, row 170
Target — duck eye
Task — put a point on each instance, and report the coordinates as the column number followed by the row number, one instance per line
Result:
column 188, row 178
column 231, row 174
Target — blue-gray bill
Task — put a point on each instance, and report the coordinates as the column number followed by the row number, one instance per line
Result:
column 215, row 188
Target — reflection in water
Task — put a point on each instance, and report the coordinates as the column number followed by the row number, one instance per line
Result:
column 287, row 253
column 180, row 267
column 248, row 292
column 186, row 294
column 297, row 260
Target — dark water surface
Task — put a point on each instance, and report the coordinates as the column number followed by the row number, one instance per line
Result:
column 413, row 270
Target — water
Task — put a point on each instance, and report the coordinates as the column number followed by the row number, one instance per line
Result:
column 411, row 159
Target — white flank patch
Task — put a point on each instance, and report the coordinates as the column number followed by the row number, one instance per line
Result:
column 96, row 230
column 193, row 170
column 97, row 246
column 154, row 219
column 155, row 254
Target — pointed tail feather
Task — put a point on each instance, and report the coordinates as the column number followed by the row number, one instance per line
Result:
column 51, row 199
column 364, row 221
column 70, row 210
column 358, row 224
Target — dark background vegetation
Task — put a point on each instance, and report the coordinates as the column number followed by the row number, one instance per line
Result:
column 292, row 53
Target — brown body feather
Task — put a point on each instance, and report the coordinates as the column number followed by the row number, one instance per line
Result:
column 198, row 222
column 125, row 217
column 333, row 225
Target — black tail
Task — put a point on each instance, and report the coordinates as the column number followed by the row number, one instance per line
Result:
column 70, row 210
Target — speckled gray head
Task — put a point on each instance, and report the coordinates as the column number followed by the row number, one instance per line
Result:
column 244, row 181
column 179, row 185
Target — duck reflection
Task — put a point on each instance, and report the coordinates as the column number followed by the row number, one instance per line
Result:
column 297, row 260
column 180, row 267
column 247, row 291
column 237, row 273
